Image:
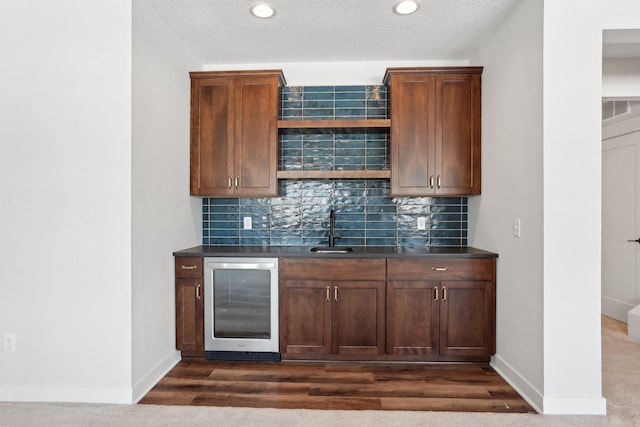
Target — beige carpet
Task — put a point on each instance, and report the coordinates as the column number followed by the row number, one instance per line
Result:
column 621, row 388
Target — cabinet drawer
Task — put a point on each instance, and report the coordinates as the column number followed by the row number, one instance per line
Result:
column 441, row 269
column 332, row 269
column 188, row 267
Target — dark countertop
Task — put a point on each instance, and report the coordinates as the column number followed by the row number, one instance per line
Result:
column 358, row 252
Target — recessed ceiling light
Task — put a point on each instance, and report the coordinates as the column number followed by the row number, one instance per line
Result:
column 406, row 7
column 262, row 10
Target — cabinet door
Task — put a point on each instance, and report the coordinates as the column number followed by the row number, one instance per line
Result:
column 305, row 317
column 212, row 136
column 189, row 315
column 457, row 151
column 256, row 137
column 358, row 317
column 413, row 312
column 467, row 318
column 413, row 134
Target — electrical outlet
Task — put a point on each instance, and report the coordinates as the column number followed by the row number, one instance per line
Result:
column 422, row 223
column 247, row 223
column 10, row 342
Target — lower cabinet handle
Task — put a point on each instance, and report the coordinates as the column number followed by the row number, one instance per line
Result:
column 335, row 293
column 198, row 291
column 328, row 293
column 439, row 268
column 444, row 293
column 435, row 294
column 188, row 267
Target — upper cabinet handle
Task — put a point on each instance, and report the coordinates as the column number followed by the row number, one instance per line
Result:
column 431, row 181
column 439, row 268
column 229, row 182
column 439, row 181
column 189, row 267
column 237, row 181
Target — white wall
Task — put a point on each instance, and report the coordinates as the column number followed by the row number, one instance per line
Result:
column 561, row 211
column 333, row 73
column 165, row 218
column 621, row 78
column 572, row 198
column 512, row 147
column 65, row 186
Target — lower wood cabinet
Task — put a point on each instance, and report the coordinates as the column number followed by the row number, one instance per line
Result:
column 332, row 309
column 189, row 306
column 367, row 309
column 441, row 309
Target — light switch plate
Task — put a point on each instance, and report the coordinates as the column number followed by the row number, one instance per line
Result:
column 517, row 227
column 10, row 342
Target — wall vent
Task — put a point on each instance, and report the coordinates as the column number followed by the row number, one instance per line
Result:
column 613, row 109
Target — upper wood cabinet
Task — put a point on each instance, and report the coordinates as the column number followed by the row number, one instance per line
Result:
column 435, row 130
column 234, row 134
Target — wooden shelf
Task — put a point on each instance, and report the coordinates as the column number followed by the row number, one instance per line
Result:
column 333, row 124
column 361, row 174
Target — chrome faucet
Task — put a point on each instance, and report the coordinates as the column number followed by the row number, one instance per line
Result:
column 332, row 229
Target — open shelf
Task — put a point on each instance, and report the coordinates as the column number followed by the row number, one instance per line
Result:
column 333, row 124
column 359, row 174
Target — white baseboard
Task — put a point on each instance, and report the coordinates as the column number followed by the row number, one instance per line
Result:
column 633, row 329
column 54, row 393
column 531, row 394
column 615, row 309
column 548, row 405
column 575, row 406
column 89, row 394
column 154, row 375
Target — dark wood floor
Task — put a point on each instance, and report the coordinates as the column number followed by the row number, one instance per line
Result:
column 357, row 386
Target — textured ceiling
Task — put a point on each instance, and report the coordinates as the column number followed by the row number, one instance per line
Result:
column 224, row 32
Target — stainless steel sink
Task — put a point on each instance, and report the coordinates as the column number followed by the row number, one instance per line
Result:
column 331, row 250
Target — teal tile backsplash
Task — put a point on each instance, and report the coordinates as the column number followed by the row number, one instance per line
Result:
column 365, row 213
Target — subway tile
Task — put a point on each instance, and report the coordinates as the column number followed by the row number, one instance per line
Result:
column 351, row 241
column 375, row 241
column 221, row 241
